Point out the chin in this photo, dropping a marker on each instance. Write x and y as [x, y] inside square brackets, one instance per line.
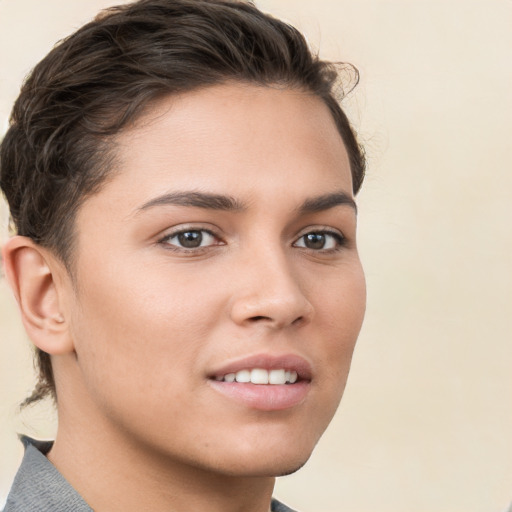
[265, 448]
[289, 468]
[276, 459]
[268, 468]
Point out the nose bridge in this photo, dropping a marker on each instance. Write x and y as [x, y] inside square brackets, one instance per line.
[269, 290]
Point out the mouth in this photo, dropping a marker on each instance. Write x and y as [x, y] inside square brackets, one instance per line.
[260, 376]
[264, 382]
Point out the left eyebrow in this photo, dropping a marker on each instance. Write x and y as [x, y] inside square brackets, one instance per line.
[326, 202]
[197, 200]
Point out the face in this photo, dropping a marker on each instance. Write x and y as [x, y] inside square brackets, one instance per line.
[220, 256]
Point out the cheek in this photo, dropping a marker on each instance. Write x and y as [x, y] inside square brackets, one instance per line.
[339, 317]
[340, 304]
[142, 334]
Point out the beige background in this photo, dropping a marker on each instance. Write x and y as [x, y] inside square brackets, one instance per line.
[426, 423]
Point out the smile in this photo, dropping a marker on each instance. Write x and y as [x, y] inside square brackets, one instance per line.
[264, 382]
[260, 376]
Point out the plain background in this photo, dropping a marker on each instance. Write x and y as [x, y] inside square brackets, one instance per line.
[426, 421]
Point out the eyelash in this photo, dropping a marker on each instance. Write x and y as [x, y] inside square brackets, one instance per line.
[339, 240]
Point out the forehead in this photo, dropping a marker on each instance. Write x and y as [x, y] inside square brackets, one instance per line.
[234, 138]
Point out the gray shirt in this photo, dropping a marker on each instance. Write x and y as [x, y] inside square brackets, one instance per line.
[38, 486]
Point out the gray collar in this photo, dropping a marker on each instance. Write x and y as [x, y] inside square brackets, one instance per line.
[39, 486]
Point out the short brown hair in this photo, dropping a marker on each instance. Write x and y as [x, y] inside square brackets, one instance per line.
[58, 148]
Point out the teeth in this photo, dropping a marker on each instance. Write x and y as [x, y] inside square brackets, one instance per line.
[277, 377]
[261, 376]
[243, 376]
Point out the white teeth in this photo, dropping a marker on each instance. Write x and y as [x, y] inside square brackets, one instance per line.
[277, 377]
[243, 376]
[261, 376]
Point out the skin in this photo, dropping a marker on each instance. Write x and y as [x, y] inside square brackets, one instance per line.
[138, 331]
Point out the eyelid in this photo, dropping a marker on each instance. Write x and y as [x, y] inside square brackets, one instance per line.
[321, 229]
[189, 226]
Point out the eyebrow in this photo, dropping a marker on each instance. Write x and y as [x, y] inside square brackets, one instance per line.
[196, 199]
[326, 202]
[228, 203]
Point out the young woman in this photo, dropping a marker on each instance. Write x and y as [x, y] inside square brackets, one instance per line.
[182, 180]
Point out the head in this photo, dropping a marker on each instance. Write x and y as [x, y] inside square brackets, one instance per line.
[182, 82]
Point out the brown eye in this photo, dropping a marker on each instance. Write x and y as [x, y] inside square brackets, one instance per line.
[320, 241]
[190, 239]
[314, 240]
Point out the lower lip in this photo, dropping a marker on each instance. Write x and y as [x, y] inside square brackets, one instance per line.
[264, 397]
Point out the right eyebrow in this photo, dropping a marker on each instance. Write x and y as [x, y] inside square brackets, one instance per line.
[327, 201]
[195, 199]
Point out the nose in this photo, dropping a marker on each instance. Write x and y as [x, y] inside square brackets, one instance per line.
[268, 292]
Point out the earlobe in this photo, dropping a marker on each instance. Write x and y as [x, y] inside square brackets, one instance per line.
[31, 273]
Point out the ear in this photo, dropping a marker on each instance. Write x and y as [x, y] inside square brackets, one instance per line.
[35, 277]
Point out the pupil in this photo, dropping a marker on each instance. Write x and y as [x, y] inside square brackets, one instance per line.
[315, 241]
[190, 239]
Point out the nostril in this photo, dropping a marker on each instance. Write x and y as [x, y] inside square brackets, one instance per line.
[298, 320]
[259, 318]
[256, 318]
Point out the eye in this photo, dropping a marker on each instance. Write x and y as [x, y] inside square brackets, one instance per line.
[321, 241]
[190, 239]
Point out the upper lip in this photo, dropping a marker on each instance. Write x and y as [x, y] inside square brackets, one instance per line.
[290, 362]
